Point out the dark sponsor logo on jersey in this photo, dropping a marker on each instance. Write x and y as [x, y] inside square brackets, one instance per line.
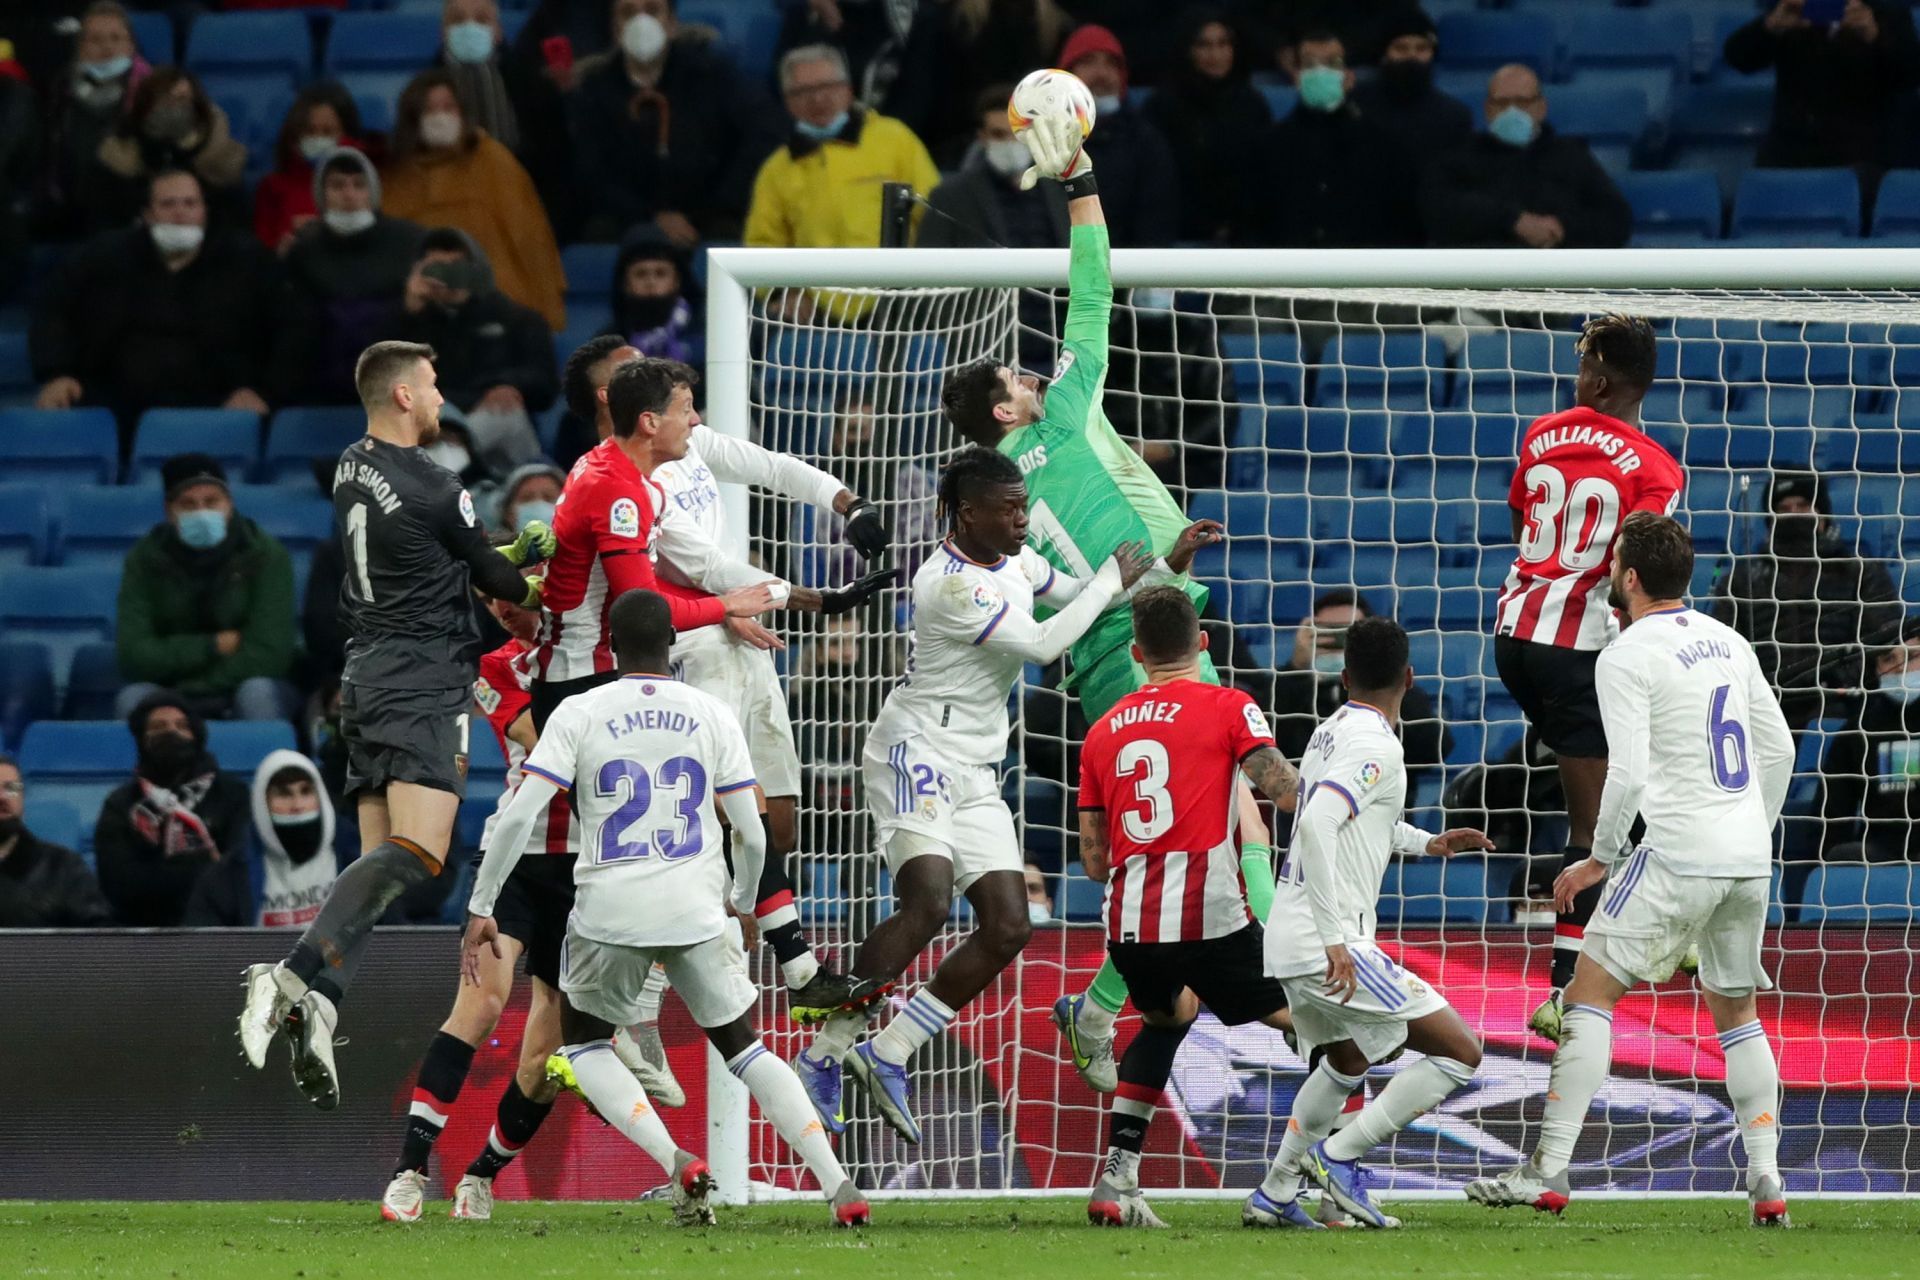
[370, 479]
[1032, 460]
[654, 719]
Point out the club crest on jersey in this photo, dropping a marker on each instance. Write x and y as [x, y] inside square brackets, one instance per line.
[929, 810]
[466, 508]
[623, 520]
[485, 696]
[1368, 775]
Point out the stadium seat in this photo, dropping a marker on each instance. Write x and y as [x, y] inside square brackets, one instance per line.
[1366, 368]
[1631, 49]
[76, 763]
[589, 270]
[230, 435]
[1266, 367]
[98, 523]
[1718, 128]
[376, 87]
[153, 36]
[26, 526]
[1611, 118]
[298, 435]
[1513, 371]
[1882, 894]
[57, 822]
[748, 32]
[300, 519]
[240, 745]
[26, 689]
[64, 446]
[1281, 99]
[93, 682]
[1482, 41]
[1674, 209]
[1896, 208]
[61, 608]
[251, 43]
[382, 42]
[1788, 207]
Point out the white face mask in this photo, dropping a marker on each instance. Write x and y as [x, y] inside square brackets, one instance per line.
[315, 145]
[454, 457]
[348, 222]
[1006, 156]
[440, 128]
[643, 38]
[1037, 913]
[171, 237]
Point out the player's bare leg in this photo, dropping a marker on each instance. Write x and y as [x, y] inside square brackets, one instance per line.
[523, 1107]
[1143, 1074]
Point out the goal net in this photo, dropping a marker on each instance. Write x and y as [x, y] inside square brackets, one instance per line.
[1358, 442]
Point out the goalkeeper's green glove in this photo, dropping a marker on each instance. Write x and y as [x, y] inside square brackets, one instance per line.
[535, 543]
[1058, 149]
[536, 590]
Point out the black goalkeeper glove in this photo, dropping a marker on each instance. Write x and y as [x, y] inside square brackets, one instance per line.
[858, 593]
[866, 530]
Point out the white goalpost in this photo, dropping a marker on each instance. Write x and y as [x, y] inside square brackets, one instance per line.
[1352, 417]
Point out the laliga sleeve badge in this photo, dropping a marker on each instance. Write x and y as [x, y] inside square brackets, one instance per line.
[1256, 723]
[1368, 775]
[985, 598]
[466, 509]
[485, 696]
[623, 519]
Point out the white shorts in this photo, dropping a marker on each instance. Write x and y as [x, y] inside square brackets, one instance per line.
[1376, 1019]
[744, 678]
[1648, 917]
[955, 810]
[603, 979]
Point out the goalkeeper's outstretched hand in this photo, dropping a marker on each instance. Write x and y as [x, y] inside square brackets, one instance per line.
[858, 592]
[866, 530]
[1057, 147]
[535, 543]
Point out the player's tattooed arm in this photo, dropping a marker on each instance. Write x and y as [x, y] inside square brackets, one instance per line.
[1093, 844]
[1275, 778]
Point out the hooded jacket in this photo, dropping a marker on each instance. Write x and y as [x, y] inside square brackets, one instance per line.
[490, 341]
[292, 192]
[271, 887]
[678, 335]
[173, 599]
[344, 287]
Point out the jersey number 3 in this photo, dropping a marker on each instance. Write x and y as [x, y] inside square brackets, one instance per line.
[1145, 762]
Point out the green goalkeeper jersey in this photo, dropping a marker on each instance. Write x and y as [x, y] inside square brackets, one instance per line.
[1087, 491]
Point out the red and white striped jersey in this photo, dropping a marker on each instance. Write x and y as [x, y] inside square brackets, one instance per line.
[502, 696]
[604, 525]
[1580, 475]
[1163, 765]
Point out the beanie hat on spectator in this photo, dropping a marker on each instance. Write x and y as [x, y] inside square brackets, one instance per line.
[1799, 484]
[454, 240]
[137, 721]
[184, 469]
[1093, 38]
[523, 473]
[1408, 21]
[344, 155]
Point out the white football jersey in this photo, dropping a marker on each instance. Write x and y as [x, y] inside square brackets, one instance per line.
[645, 756]
[972, 627]
[1356, 755]
[1696, 744]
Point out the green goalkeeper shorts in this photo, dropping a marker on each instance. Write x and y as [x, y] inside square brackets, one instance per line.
[1115, 676]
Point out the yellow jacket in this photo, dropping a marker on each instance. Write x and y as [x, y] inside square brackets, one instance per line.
[483, 191]
[829, 196]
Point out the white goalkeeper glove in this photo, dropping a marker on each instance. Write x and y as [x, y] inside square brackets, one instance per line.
[1057, 147]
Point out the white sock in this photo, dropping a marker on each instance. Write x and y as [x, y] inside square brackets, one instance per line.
[1753, 1082]
[783, 1100]
[1315, 1109]
[620, 1100]
[835, 1038]
[1579, 1069]
[651, 992]
[799, 971]
[1094, 1022]
[1408, 1096]
[1122, 1168]
[920, 1020]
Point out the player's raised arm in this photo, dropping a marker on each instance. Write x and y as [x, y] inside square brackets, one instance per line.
[688, 548]
[736, 461]
[1055, 142]
[495, 570]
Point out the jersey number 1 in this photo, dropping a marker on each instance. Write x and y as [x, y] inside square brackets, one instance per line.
[357, 540]
[1147, 759]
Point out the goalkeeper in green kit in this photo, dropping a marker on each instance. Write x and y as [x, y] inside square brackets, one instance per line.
[1088, 493]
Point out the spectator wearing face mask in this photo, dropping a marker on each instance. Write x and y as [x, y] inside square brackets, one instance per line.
[177, 818]
[512, 100]
[657, 306]
[42, 885]
[1139, 186]
[665, 130]
[206, 603]
[170, 123]
[322, 119]
[1870, 781]
[1401, 98]
[1207, 110]
[83, 106]
[530, 493]
[493, 357]
[982, 206]
[289, 864]
[1808, 602]
[1328, 175]
[347, 271]
[448, 172]
[1039, 901]
[1520, 184]
[165, 313]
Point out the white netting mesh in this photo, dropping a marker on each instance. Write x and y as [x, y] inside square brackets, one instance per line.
[1366, 441]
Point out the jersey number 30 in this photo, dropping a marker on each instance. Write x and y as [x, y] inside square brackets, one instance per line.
[1145, 761]
[1577, 523]
[631, 776]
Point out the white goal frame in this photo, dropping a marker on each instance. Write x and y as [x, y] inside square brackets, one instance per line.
[733, 274]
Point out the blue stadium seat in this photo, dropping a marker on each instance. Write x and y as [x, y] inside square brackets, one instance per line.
[1873, 894]
[1717, 22]
[61, 608]
[26, 526]
[381, 87]
[1265, 366]
[1635, 49]
[57, 822]
[64, 446]
[1896, 207]
[16, 366]
[98, 523]
[1445, 891]
[251, 43]
[1514, 372]
[231, 435]
[1797, 206]
[153, 36]
[76, 763]
[300, 518]
[748, 32]
[589, 269]
[298, 435]
[1718, 128]
[383, 42]
[1364, 368]
[1084, 899]
[93, 682]
[240, 745]
[1674, 209]
[1611, 118]
[1281, 99]
[26, 689]
[256, 104]
[1486, 40]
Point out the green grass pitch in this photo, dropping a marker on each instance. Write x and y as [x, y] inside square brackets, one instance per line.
[976, 1239]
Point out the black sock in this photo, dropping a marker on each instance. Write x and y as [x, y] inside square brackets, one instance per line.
[442, 1072]
[356, 901]
[1570, 927]
[787, 941]
[514, 1124]
[1144, 1070]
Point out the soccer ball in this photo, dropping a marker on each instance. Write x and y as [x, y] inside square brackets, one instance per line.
[1050, 92]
